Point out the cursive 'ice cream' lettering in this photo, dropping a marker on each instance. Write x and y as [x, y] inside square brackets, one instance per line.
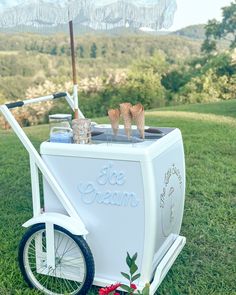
[110, 176]
[91, 192]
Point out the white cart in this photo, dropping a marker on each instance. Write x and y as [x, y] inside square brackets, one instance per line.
[100, 201]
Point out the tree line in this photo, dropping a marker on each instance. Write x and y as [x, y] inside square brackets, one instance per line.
[153, 70]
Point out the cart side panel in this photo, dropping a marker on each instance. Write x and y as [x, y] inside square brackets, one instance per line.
[169, 169]
[109, 197]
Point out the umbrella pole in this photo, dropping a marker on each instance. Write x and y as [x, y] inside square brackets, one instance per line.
[75, 91]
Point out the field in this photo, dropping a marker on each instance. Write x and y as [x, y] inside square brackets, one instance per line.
[207, 264]
[222, 108]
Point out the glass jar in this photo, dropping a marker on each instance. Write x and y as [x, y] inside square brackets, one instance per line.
[60, 120]
[60, 128]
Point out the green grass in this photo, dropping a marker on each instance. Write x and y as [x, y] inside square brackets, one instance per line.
[207, 264]
[223, 108]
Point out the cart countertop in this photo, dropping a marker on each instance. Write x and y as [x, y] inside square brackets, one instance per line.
[104, 146]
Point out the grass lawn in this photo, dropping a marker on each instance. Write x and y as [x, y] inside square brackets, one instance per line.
[207, 264]
[223, 108]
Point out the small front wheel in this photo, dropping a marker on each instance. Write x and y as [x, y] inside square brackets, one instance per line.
[74, 264]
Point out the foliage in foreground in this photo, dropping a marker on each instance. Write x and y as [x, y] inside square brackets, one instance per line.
[132, 276]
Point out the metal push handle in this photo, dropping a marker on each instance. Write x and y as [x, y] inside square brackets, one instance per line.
[67, 96]
[35, 158]
[35, 100]
[59, 95]
[13, 105]
[38, 163]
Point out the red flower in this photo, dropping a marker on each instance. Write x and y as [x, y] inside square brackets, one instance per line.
[133, 286]
[109, 289]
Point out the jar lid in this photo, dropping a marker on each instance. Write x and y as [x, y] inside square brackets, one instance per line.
[65, 117]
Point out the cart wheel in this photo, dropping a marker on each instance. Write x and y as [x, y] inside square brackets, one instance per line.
[74, 264]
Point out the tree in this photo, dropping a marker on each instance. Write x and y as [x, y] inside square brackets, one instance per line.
[54, 50]
[93, 52]
[145, 87]
[226, 29]
[104, 50]
[81, 51]
[175, 79]
[157, 63]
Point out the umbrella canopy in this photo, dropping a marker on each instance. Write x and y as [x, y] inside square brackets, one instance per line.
[97, 14]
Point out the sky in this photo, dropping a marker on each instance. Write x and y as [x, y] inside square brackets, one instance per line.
[192, 12]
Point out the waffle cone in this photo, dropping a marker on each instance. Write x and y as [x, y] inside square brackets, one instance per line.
[127, 117]
[114, 116]
[138, 116]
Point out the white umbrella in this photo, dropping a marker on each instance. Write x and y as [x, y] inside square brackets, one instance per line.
[97, 14]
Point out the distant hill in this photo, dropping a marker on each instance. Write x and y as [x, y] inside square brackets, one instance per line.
[197, 33]
[78, 30]
[192, 32]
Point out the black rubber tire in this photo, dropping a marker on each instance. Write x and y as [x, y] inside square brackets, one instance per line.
[79, 240]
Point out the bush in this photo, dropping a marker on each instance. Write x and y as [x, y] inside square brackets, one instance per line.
[207, 88]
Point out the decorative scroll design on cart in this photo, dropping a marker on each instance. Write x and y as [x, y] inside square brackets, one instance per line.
[95, 191]
[173, 183]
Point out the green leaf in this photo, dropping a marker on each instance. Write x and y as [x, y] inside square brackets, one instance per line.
[134, 257]
[129, 255]
[125, 275]
[146, 290]
[133, 268]
[135, 277]
[126, 288]
[128, 260]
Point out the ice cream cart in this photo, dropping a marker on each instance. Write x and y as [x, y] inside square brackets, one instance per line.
[100, 201]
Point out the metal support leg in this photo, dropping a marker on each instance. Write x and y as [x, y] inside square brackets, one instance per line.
[50, 247]
[35, 187]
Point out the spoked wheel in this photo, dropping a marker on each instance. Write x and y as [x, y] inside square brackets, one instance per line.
[74, 265]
